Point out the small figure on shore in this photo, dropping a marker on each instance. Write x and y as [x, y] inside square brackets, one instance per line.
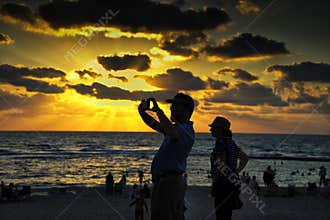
[185, 179]
[269, 176]
[25, 192]
[9, 192]
[254, 184]
[2, 188]
[323, 174]
[123, 180]
[141, 176]
[291, 190]
[135, 192]
[146, 191]
[119, 187]
[140, 204]
[243, 177]
[109, 183]
[248, 178]
[311, 187]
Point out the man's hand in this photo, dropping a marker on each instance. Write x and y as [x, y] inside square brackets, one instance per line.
[150, 121]
[143, 105]
[155, 107]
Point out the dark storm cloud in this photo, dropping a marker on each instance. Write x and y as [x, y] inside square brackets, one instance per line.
[84, 73]
[246, 45]
[139, 62]
[19, 12]
[181, 44]
[101, 91]
[140, 15]
[245, 94]
[5, 39]
[178, 79]
[134, 15]
[303, 72]
[238, 74]
[18, 76]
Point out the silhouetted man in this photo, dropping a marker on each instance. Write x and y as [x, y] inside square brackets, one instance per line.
[109, 183]
[169, 163]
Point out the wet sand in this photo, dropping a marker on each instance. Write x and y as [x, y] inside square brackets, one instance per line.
[93, 203]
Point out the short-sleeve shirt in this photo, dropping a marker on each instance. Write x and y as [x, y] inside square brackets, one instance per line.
[172, 154]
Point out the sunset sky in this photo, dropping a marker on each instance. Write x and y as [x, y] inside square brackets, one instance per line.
[84, 65]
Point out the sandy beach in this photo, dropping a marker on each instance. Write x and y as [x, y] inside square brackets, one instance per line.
[93, 203]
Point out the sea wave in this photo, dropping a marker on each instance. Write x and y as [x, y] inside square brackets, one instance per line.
[7, 152]
[90, 152]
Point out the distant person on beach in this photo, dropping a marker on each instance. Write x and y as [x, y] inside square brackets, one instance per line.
[2, 189]
[253, 184]
[141, 176]
[135, 192]
[243, 177]
[9, 192]
[123, 180]
[323, 174]
[140, 204]
[146, 191]
[269, 176]
[248, 178]
[224, 164]
[311, 187]
[169, 163]
[109, 182]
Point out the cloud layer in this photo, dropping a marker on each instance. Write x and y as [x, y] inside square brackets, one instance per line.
[303, 72]
[101, 91]
[245, 94]
[90, 73]
[139, 62]
[178, 79]
[5, 39]
[134, 16]
[182, 44]
[246, 45]
[238, 74]
[19, 76]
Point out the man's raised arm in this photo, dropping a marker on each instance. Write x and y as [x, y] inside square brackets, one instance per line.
[150, 121]
[165, 123]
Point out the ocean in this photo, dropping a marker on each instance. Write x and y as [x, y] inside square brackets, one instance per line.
[48, 159]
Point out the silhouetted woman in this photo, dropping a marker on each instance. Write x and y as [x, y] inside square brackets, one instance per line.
[224, 169]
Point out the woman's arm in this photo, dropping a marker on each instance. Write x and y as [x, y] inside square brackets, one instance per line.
[243, 160]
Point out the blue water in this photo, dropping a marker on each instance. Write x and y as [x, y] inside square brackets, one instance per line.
[84, 158]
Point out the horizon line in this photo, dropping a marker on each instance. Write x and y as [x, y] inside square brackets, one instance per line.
[200, 132]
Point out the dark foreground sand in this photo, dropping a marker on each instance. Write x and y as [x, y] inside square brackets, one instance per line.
[93, 203]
